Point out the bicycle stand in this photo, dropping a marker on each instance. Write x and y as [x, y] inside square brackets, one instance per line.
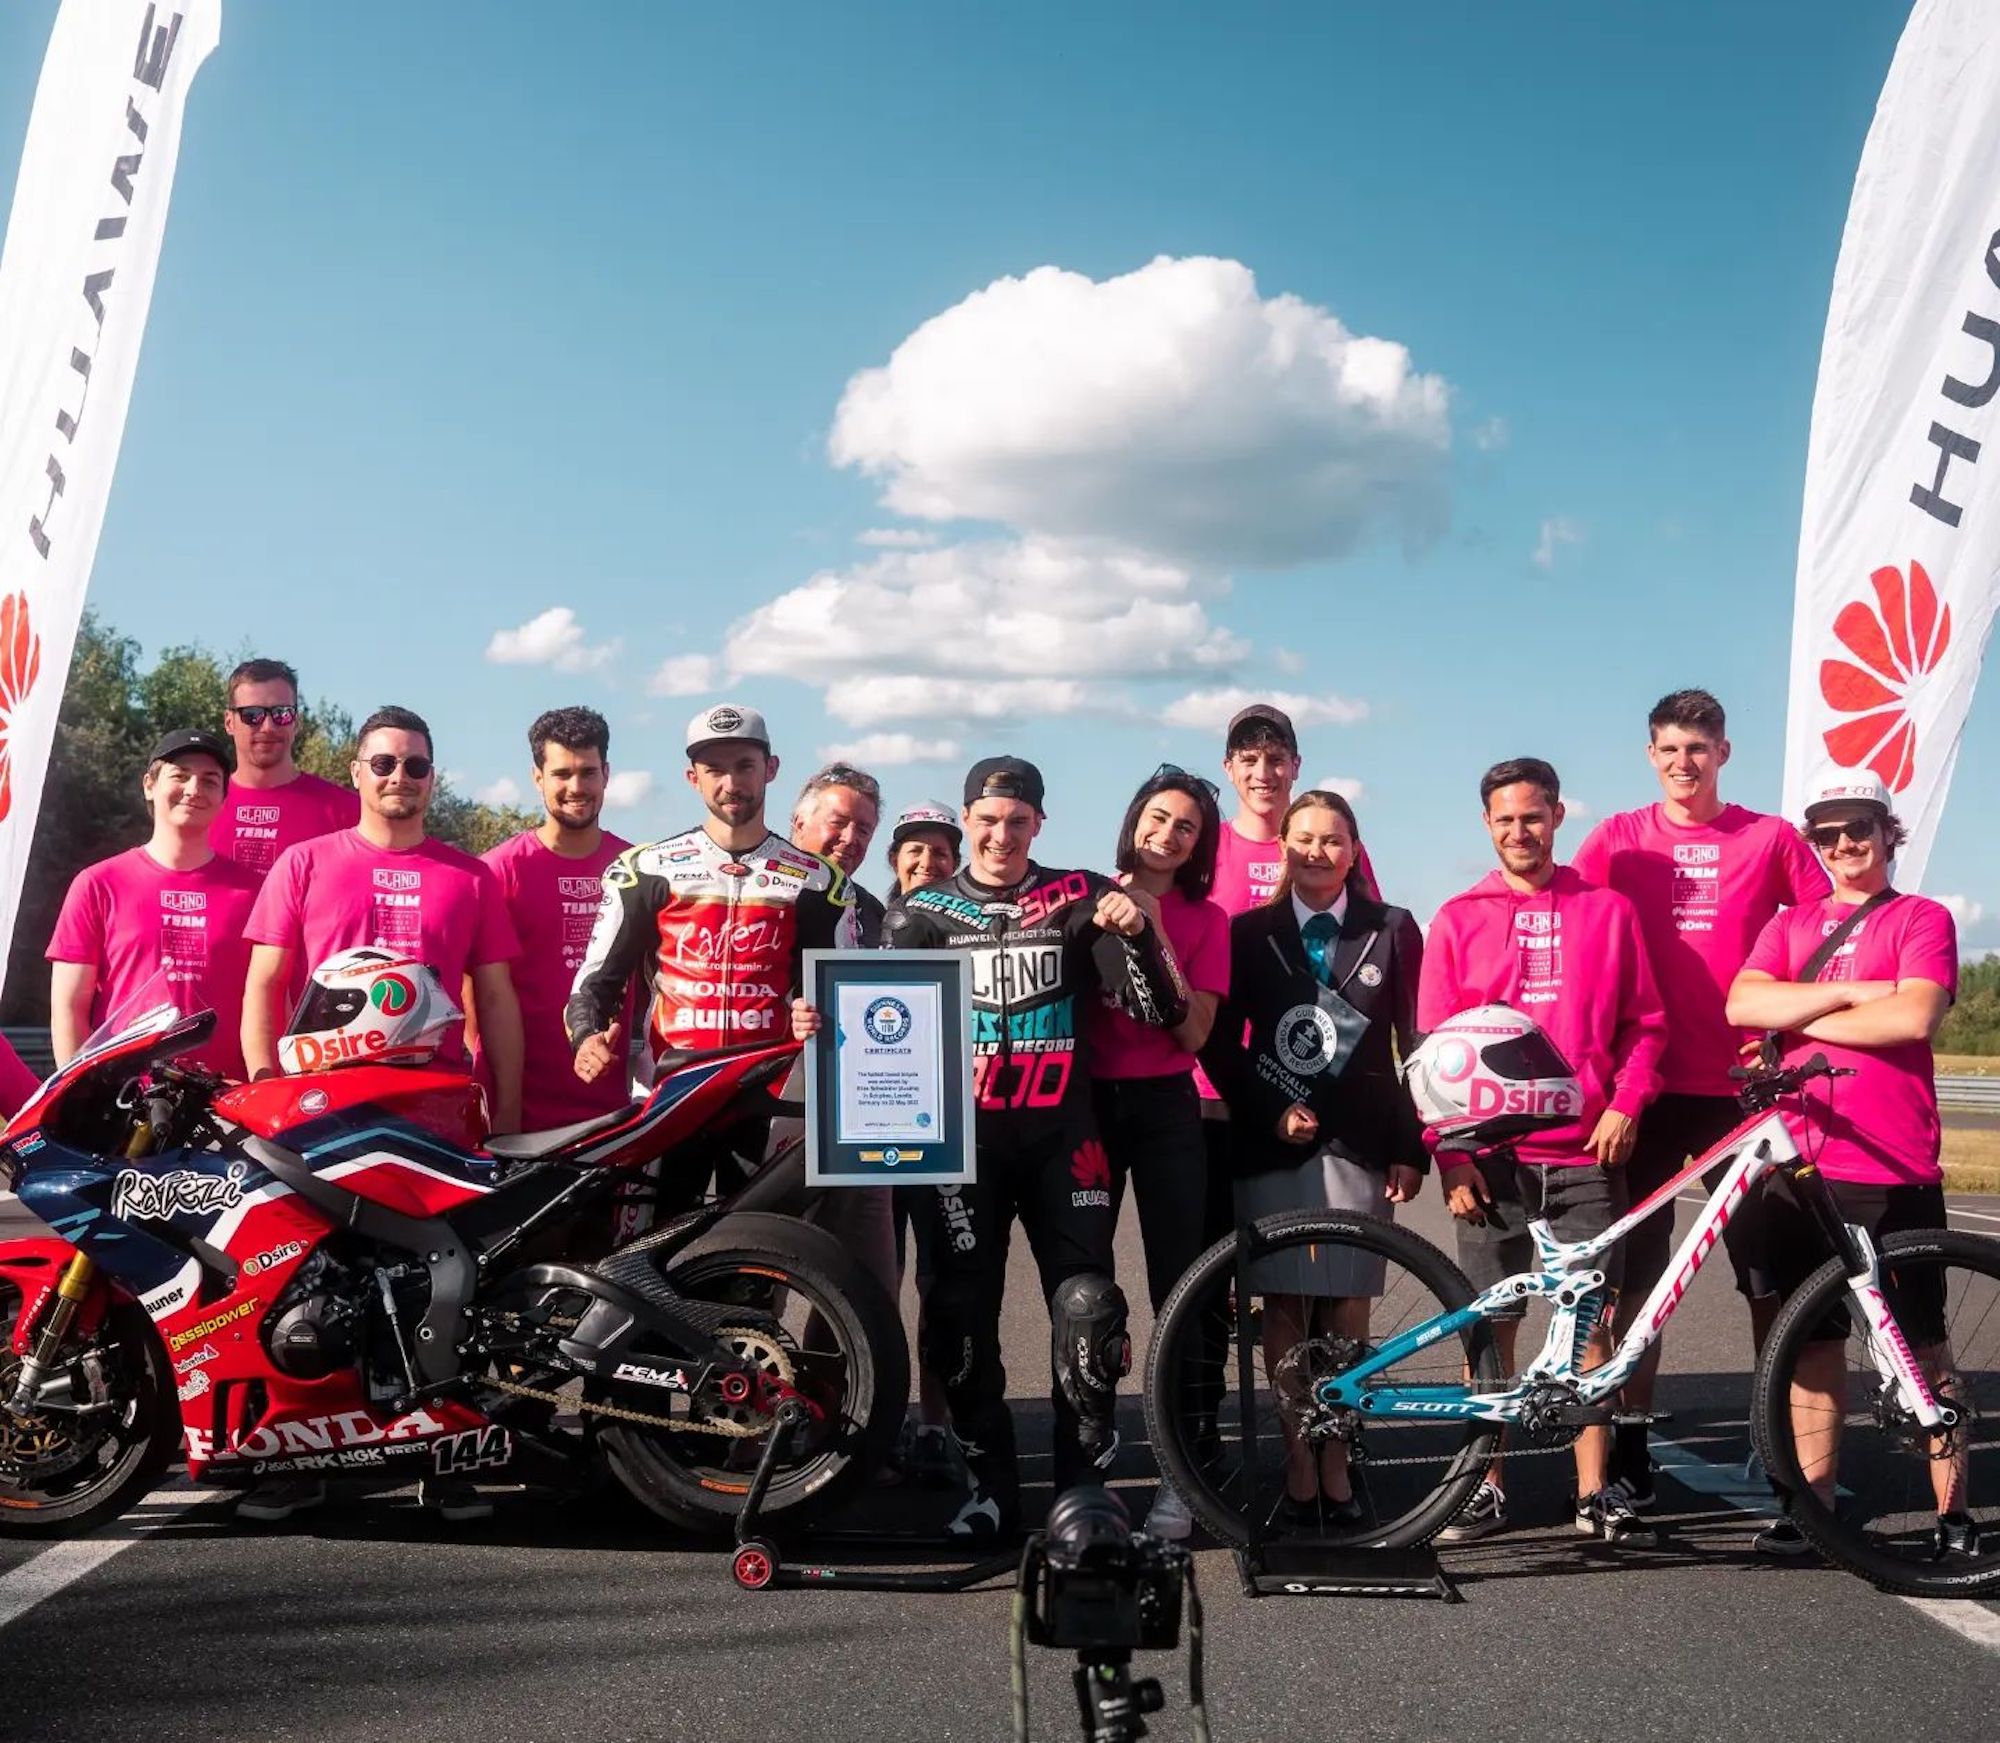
[757, 1565]
[1309, 1567]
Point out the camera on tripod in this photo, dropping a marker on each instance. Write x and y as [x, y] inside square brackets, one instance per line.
[1090, 1585]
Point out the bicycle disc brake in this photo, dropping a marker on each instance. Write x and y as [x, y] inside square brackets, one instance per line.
[1298, 1371]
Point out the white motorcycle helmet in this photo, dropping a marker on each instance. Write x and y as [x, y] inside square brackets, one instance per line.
[1488, 1074]
[368, 1006]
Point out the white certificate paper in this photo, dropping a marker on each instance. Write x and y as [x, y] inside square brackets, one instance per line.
[890, 1064]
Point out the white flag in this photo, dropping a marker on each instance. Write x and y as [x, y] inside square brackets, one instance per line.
[1899, 547]
[76, 279]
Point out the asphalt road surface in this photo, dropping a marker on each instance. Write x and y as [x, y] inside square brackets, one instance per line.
[563, 1622]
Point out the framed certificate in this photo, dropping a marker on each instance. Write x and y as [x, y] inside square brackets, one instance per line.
[889, 1075]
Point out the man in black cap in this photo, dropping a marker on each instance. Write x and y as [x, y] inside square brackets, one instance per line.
[1042, 942]
[163, 921]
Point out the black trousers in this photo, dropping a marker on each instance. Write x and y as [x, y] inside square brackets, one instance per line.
[1152, 1131]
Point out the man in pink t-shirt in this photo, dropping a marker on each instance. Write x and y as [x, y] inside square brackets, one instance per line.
[1569, 954]
[1872, 1009]
[272, 803]
[1705, 877]
[161, 921]
[551, 878]
[385, 882]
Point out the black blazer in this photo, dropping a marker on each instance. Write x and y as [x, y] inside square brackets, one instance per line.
[1365, 1113]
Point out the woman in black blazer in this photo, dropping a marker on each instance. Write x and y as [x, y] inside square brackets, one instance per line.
[1322, 1001]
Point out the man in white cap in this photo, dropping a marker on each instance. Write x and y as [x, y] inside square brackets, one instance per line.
[1865, 977]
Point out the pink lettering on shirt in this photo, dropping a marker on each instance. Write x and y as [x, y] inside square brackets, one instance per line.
[136, 923]
[1879, 1127]
[1118, 1045]
[1704, 892]
[552, 901]
[256, 824]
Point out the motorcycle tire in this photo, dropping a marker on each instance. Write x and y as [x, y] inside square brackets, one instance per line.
[41, 1495]
[841, 1336]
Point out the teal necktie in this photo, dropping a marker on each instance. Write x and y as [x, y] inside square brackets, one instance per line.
[1320, 932]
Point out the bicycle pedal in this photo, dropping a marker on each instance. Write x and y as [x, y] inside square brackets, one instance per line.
[1640, 1418]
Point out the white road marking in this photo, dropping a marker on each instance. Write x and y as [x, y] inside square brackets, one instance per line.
[64, 1563]
[1978, 1216]
[1967, 1617]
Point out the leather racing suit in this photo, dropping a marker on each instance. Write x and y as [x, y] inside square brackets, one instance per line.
[1037, 957]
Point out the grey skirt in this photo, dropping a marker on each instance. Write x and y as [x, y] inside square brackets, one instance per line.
[1323, 1181]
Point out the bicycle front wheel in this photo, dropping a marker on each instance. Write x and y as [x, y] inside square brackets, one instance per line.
[1822, 1411]
[1326, 1291]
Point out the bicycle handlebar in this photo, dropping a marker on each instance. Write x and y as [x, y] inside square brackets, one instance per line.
[1761, 1086]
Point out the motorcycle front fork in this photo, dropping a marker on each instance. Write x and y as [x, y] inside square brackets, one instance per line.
[72, 1289]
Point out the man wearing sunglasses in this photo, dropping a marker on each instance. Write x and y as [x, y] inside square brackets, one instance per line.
[385, 882]
[1871, 1006]
[272, 803]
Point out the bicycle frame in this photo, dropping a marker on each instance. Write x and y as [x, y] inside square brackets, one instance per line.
[1573, 1286]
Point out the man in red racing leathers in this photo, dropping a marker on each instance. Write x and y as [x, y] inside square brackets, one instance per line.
[1042, 943]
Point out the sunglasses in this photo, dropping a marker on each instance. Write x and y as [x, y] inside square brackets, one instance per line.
[1174, 770]
[1856, 829]
[282, 715]
[382, 765]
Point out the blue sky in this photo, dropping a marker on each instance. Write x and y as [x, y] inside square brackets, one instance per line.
[469, 315]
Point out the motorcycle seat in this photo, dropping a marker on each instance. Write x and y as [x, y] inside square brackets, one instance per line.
[531, 1146]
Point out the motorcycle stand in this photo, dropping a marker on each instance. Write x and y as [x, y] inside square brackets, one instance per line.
[756, 1564]
[1308, 1567]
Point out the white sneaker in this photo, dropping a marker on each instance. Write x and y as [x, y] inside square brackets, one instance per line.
[1169, 1518]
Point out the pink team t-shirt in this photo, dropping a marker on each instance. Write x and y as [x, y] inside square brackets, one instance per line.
[432, 902]
[1879, 1127]
[256, 824]
[1704, 892]
[552, 901]
[132, 920]
[1121, 1047]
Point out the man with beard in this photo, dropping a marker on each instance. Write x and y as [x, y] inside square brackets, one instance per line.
[272, 803]
[552, 879]
[837, 814]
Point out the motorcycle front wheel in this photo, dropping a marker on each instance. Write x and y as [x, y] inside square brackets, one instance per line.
[65, 1472]
[812, 1319]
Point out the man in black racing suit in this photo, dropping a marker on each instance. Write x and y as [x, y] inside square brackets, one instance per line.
[1042, 944]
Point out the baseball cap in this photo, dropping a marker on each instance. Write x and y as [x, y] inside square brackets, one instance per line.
[1004, 778]
[928, 815]
[1261, 713]
[1833, 787]
[727, 721]
[191, 740]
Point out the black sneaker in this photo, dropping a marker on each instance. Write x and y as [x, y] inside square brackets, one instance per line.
[1321, 1513]
[1782, 1538]
[1480, 1517]
[982, 1519]
[1608, 1516]
[1956, 1535]
[273, 1503]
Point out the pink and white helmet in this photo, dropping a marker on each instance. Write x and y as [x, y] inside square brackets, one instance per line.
[368, 1006]
[1489, 1073]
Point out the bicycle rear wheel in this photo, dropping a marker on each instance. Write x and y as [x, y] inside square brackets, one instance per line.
[1810, 1409]
[1409, 1478]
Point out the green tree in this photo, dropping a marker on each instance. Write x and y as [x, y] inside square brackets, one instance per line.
[1974, 1023]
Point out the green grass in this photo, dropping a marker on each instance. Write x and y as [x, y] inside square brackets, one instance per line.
[1971, 1160]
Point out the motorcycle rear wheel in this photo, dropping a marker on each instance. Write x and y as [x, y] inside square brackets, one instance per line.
[63, 1474]
[840, 1336]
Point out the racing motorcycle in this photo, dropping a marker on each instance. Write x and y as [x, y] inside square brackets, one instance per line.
[331, 1275]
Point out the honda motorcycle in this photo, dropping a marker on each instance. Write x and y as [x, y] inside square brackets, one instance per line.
[332, 1275]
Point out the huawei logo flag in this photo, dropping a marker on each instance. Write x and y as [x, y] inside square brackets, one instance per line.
[1894, 641]
[20, 665]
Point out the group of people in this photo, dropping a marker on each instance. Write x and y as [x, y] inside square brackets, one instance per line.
[1141, 1027]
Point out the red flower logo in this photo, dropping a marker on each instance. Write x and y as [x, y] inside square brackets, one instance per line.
[1896, 640]
[20, 665]
[1090, 1167]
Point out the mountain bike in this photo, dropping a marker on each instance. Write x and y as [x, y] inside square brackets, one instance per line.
[1418, 1402]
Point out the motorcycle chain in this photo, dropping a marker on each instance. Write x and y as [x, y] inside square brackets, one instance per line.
[652, 1419]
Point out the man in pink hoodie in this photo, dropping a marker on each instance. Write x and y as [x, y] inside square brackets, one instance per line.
[1568, 954]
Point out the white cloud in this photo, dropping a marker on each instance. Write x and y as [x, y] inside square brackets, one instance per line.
[554, 638]
[1289, 661]
[882, 750]
[1022, 608]
[1172, 410]
[1558, 530]
[1345, 785]
[1575, 810]
[1209, 710]
[627, 788]
[899, 538]
[505, 791]
[1964, 911]
[1490, 435]
[874, 701]
[684, 675]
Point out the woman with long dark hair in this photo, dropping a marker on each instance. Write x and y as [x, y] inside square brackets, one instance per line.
[1323, 977]
[1148, 1112]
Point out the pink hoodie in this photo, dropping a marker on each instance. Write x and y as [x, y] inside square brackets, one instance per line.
[1571, 957]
